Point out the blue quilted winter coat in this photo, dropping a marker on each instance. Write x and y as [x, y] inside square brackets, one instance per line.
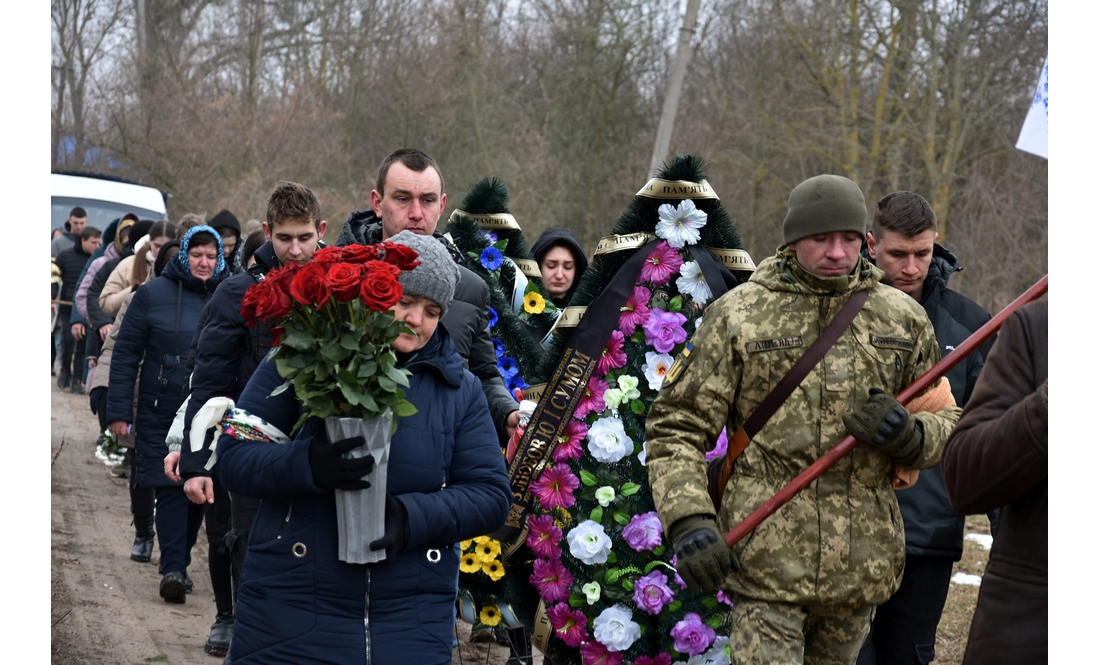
[297, 602]
[149, 333]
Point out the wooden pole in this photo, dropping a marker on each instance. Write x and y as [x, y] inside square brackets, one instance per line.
[802, 480]
[675, 85]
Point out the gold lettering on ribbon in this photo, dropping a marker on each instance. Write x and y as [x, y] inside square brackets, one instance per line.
[570, 317]
[677, 189]
[534, 393]
[499, 220]
[734, 259]
[540, 635]
[619, 243]
[528, 267]
[539, 440]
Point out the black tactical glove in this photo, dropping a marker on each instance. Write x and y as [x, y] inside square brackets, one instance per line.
[885, 424]
[702, 557]
[394, 539]
[331, 469]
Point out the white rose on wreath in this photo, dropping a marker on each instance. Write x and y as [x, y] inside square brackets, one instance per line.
[608, 441]
[615, 629]
[589, 543]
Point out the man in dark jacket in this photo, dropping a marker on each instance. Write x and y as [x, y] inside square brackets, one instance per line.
[902, 242]
[409, 195]
[224, 354]
[71, 262]
[78, 218]
[997, 456]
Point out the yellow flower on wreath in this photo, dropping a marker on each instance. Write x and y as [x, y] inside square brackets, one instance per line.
[493, 568]
[465, 545]
[534, 303]
[482, 539]
[470, 562]
[490, 615]
[488, 550]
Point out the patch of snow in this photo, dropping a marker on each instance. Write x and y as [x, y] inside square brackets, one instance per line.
[986, 541]
[963, 578]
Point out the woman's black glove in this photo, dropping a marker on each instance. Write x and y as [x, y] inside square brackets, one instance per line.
[97, 399]
[394, 539]
[331, 469]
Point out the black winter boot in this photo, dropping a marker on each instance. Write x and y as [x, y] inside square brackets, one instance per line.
[144, 535]
[222, 630]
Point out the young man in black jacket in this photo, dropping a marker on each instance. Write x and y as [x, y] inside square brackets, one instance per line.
[902, 242]
[408, 195]
[225, 354]
[71, 263]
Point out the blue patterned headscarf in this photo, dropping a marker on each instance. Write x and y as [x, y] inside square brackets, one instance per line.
[185, 244]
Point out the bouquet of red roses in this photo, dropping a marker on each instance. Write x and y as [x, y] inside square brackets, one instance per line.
[334, 329]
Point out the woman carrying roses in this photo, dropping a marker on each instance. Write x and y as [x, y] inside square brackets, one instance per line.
[446, 482]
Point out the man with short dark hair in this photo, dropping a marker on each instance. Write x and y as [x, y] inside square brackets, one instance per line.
[78, 218]
[902, 242]
[224, 354]
[71, 263]
[408, 195]
[804, 584]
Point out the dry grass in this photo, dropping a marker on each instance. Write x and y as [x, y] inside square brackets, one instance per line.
[962, 598]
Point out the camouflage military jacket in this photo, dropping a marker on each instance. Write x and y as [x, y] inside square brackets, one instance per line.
[839, 541]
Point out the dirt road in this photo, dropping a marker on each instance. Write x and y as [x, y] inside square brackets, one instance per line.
[106, 608]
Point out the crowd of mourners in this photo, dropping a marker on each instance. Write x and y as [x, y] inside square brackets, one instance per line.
[149, 327]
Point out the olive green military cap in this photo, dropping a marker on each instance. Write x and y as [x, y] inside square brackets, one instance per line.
[824, 204]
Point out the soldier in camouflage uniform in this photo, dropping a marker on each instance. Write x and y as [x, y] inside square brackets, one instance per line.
[805, 581]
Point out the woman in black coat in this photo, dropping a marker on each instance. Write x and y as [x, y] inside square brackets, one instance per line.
[154, 337]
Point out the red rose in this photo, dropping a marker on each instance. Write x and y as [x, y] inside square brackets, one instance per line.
[343, 280]
[309, 285]
[277, 333]
[380, 289]
[329, 255]
[360, 253]
[402, 256]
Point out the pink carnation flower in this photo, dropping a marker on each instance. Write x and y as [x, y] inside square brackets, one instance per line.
[569, 444]
[613, 356]
[543, 537]
[643, 533]
[661, 264]
[636, 310]
[593, 398]
[594, 653]
[554, 487]
[568, 624]
[552, 580]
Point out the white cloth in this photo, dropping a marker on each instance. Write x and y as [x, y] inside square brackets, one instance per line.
[218, 412]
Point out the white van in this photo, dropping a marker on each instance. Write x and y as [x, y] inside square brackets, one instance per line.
[104, 198]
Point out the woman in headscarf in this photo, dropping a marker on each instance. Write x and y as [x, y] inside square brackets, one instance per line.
[155, 337]
[561, 262]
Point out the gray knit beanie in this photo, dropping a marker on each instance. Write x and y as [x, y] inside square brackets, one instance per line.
[823, 204]
[436, 276]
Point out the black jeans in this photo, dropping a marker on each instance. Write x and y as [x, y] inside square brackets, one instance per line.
[68, 344]
[217, 516]
[903, 631]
